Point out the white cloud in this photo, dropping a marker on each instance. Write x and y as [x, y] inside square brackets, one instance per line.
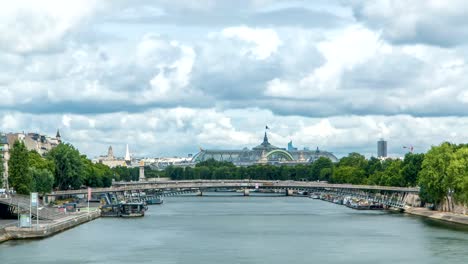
[263, 42]
[29, 26]
[166, 88]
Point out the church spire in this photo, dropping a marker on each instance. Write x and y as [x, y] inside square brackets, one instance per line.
[58, 137]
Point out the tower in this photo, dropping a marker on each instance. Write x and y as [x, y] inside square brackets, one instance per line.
[110, 153]
[381, 148]
[141, 176]
[58, 137]
[127, 155]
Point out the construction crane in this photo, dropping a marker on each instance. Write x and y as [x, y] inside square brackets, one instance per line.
[411, 148]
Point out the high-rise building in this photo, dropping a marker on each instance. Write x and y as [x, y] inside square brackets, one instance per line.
[381, 148]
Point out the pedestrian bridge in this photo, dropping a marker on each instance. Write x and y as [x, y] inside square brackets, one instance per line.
[12, 205]
[233, 184]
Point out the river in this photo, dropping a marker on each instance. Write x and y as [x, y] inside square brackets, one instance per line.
[249, 230]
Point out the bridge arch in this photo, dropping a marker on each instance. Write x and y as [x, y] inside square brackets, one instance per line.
[282, 153]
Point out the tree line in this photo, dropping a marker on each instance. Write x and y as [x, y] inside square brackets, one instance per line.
[354, 169]
[440, 173]
[62, 168]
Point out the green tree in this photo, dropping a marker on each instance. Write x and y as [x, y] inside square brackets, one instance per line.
[349, 174]
[354, 160]
[373, 165]
[317, 167]
[68, 166]
[434, 178]
[35, 160]
[411, 167]
[392, 174]
[43, 180]
[19, 176]
[326, 174]
[458, 168]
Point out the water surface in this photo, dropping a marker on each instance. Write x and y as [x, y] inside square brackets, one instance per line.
[249, 230]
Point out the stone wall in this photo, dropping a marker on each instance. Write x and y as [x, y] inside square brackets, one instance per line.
[413, 200]
[50, 229]
[451, 205]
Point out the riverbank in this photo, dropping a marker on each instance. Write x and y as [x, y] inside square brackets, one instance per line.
[438, 215]
[47, 228]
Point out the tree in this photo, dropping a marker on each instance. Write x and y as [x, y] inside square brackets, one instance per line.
[326, 174]
[459, 169]
[317, 167]
[354, 160]
[43, 180]
[349, 174]
[392, 174]
[19, 176]
[373, 165]
[411, 167]
[35, 160]
[434, 178]
[68, 166]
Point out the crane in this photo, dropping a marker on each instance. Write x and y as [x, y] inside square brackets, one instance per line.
[410, 147]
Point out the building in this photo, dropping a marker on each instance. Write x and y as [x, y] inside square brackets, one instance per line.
[5, 154]
[111, 161]
[381, 148]
[291, 147]
[265, 153]
[34, 141]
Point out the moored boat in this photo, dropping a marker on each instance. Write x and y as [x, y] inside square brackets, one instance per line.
[136, 209]
[155, 200]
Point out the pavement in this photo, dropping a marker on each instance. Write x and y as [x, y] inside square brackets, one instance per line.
[444, 216]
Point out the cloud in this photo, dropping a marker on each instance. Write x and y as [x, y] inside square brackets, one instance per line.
[169, 76]
[31, 26]
[264, 42]
[435, 22]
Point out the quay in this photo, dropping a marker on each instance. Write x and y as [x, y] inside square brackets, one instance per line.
[46, 228]
[438, 215]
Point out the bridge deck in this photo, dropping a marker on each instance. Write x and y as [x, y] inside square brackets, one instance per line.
[134, 186]
[23, 202]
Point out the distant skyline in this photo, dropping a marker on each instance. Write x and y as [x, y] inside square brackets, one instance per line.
[168, 77]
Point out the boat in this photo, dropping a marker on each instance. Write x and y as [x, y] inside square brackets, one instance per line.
[155, 200]
[136, 209]
[315, 196]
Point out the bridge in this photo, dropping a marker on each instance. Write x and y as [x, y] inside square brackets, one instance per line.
[387, 195]
[232, 184]
[14, 204]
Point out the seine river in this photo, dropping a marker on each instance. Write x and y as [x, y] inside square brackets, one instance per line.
[249, 230]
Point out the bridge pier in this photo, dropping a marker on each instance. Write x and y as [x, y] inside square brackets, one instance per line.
[246, 192]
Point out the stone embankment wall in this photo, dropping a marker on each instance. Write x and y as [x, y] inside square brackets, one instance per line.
[50, 229]
[3, 235]
[451, 205]
[412, 200]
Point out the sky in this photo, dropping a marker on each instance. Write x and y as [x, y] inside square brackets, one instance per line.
[169, 77]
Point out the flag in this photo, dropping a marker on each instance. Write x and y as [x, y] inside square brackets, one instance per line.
[89, 193]
[266, 127]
